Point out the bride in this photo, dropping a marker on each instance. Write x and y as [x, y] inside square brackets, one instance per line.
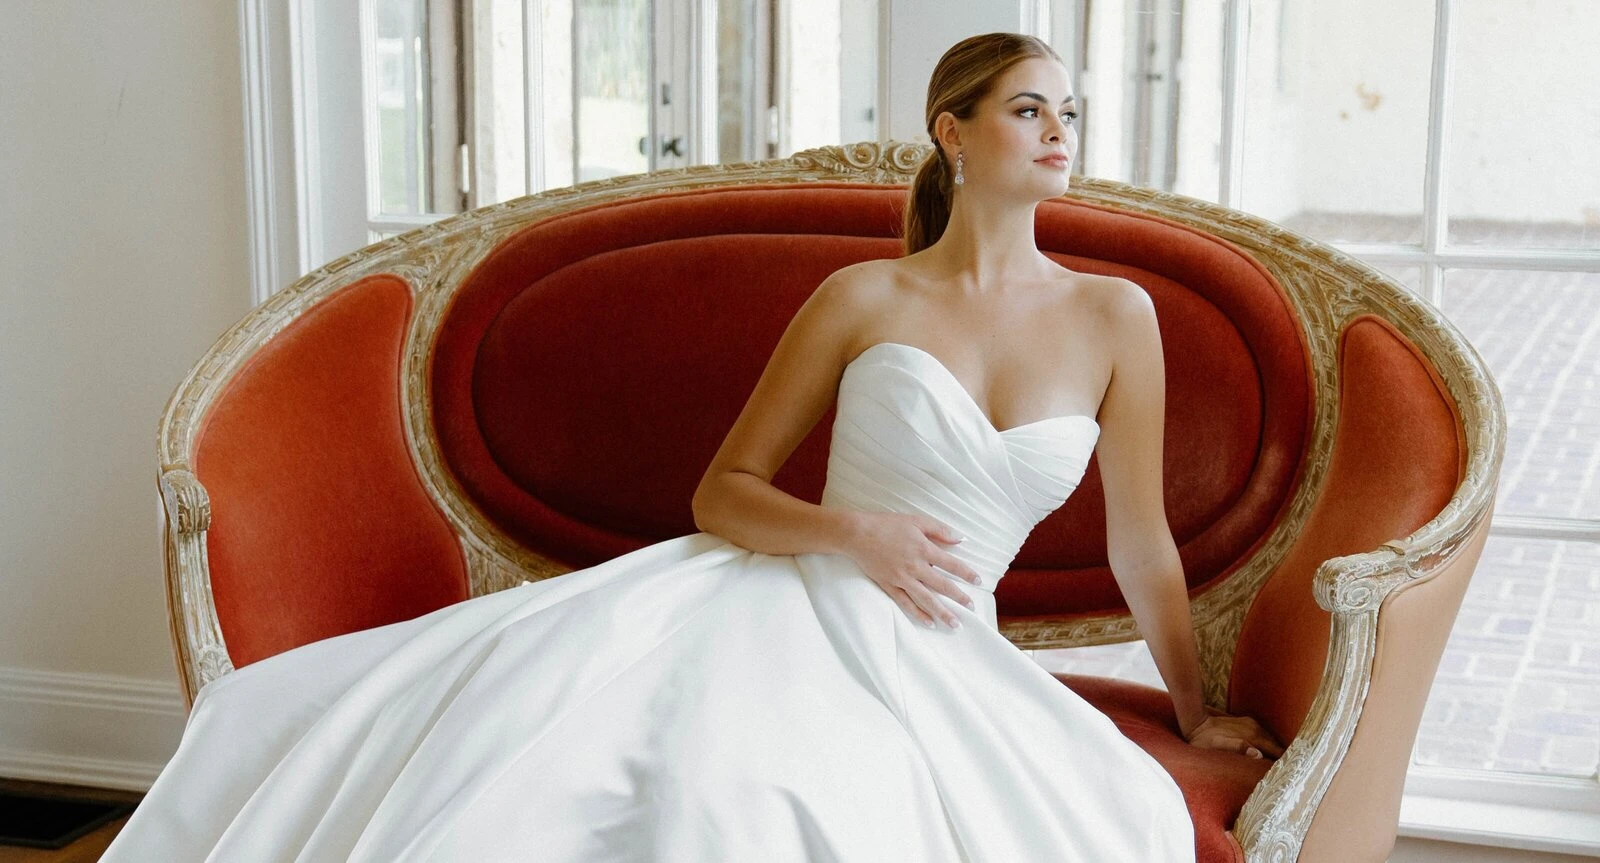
[796, 681]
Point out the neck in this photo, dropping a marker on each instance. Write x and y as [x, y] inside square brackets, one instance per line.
[987, 244]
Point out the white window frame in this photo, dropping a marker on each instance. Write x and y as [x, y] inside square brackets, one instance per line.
[1481, 807]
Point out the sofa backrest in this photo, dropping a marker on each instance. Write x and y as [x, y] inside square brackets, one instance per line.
[319, 523]
[585, 371]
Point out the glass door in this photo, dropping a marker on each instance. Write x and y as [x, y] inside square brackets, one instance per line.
[411, 110]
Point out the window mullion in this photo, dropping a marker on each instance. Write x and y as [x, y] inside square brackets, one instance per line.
[1435, 224]
[1235, 43]
[533, 97]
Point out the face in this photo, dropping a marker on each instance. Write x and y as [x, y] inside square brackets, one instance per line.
[1026, 116]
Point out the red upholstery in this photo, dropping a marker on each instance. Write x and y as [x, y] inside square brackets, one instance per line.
[319, 522]
[1397, 459]
[587, 369]
[578, 398]
[1215, 784]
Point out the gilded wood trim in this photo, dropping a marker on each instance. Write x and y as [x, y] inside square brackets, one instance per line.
[1325, 288]
[192, 614]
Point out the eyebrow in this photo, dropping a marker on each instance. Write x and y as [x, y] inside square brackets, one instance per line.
[1036, 96]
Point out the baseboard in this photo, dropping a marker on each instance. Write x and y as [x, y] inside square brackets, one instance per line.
[99, 730]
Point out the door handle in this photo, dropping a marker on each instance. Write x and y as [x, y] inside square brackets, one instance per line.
[671, 147]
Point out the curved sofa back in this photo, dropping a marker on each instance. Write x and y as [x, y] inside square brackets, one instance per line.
[585, 370]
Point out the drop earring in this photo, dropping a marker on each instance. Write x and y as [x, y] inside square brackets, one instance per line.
[960, 178]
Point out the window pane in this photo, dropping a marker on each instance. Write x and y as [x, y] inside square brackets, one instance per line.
[814, 77]
[738, 49]
[499, 134]
[1518, 688]
[1540, 334]
[1336, 117]
[1524, 169]
[613, 70]
[1410, 277]
[1148, 76]
[400, 80]
[832, 81]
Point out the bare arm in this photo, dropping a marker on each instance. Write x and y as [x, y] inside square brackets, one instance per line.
[1144, 558]
[735, 498]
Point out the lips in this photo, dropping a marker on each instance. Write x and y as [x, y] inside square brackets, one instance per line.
[1055, 161]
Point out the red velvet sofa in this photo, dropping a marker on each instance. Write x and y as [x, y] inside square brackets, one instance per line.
[529, 388]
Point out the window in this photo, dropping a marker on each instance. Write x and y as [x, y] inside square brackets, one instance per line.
[457, 90]
[1451, 145]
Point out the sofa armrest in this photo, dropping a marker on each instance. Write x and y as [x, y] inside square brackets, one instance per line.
[304, 423]
[191, 614]
[1343, 775]
[1339, 649]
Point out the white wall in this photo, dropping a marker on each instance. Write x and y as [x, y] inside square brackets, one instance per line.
[122, 258]
[1344, 127]
[918, 35]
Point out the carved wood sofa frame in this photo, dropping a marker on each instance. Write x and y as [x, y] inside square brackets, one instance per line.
[1358, 722]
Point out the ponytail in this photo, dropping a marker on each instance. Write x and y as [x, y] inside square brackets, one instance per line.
[928, 203]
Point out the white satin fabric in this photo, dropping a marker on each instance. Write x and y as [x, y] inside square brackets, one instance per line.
[696, 701]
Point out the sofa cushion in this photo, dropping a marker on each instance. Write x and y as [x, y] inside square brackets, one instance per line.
[588, 368]
[1215, 783]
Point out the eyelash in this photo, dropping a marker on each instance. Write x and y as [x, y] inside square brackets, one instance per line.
[1070, 115]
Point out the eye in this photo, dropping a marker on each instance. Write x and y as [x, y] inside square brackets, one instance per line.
[1069, 115]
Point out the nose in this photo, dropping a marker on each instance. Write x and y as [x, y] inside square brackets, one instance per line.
[1058, 129]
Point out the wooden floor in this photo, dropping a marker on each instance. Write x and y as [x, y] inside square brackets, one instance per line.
[87, 849]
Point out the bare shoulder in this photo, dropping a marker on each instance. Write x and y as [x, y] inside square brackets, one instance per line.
[851, 296]
[1124, 308]
[866, 278]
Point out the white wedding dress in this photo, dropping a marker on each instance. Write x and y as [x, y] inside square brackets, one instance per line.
[697, 701]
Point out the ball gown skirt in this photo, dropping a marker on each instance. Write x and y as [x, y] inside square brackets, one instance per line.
[697, 701]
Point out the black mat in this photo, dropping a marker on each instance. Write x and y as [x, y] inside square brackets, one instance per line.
[52, 822]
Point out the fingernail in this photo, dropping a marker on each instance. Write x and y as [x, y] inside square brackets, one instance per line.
[1255, 753]
[928, 624]
[955, 624]
[978, 580]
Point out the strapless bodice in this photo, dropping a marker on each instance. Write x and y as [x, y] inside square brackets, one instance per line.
[908, 437]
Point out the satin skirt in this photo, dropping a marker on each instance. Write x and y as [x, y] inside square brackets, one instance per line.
[689, 701]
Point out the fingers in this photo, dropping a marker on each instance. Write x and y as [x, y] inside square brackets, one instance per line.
[1239, 745]
[941, 583]
[1261, 738]
[939, 531]
[1250, 747]
[950, 563]
[903, 599]
[1259, 748]
[929, 603]
[1266, 744]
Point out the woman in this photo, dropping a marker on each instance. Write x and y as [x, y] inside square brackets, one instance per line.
[797, 681]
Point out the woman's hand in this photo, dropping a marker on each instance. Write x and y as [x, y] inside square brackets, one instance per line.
[1240, 734]
[899, 551]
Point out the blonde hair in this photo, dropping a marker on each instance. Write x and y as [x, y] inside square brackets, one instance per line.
[963, 76]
